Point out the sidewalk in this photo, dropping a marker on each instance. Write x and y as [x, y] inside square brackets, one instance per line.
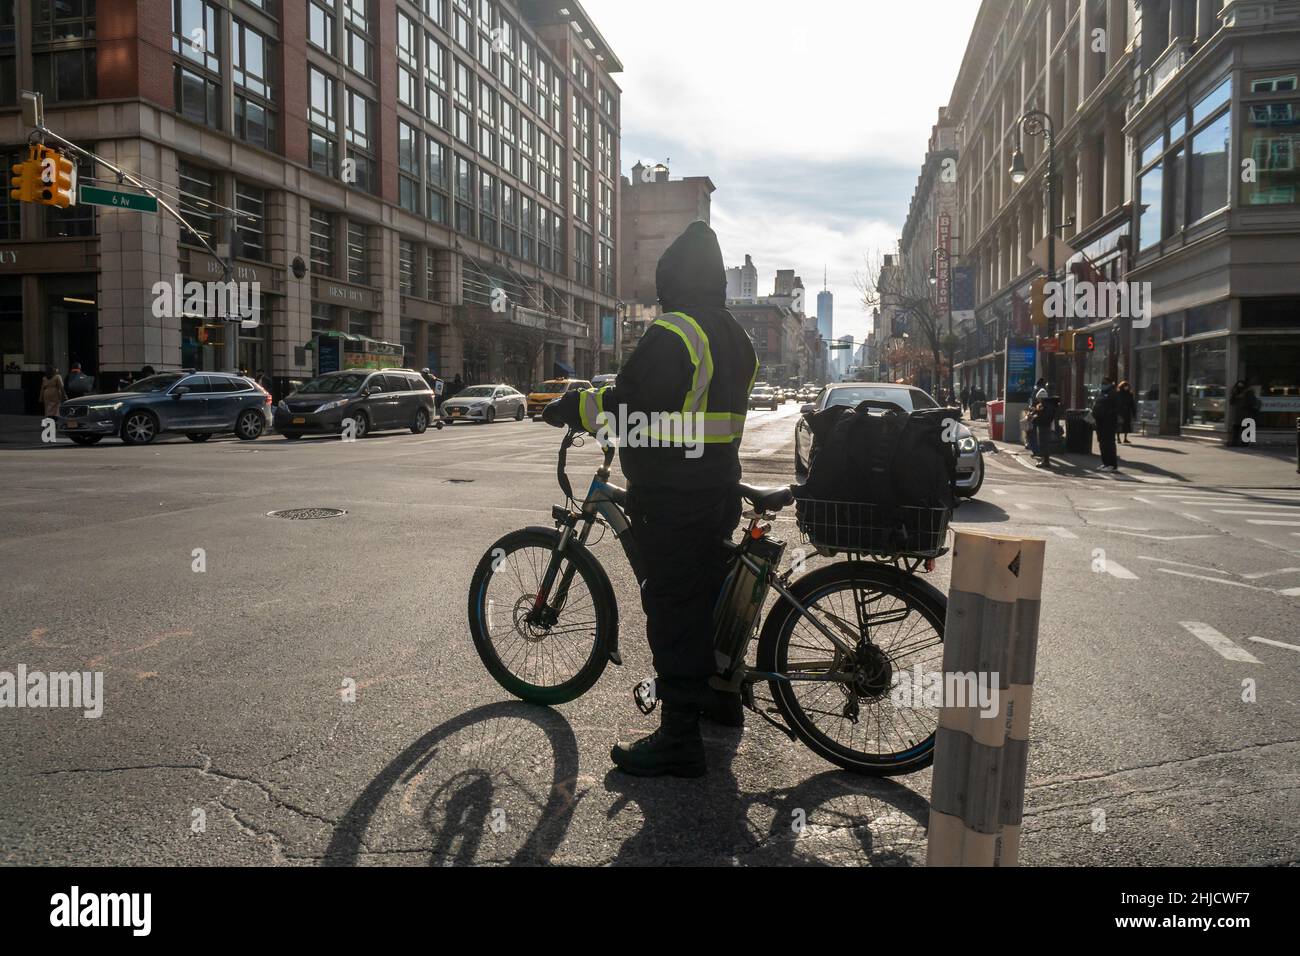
[1171, 461]
[20, 429]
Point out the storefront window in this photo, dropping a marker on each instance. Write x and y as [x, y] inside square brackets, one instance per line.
[1150, 206]
[1206, 318]
[1271, 365]
[1146, 384]
[322, 317]
[1206, 392]
[1209, 169]
[1271, 138]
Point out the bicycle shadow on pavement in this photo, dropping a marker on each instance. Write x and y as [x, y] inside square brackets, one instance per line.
[976, 511]
[494, 785]
[833, 818]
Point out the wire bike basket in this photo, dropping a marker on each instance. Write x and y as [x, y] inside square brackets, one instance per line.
[883, 531]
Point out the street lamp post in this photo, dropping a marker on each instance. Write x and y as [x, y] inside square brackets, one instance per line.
[1039, 123]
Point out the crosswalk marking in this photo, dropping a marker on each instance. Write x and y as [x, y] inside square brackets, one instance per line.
[1063, 533]
[1202, 577]
[1218, 642]
[1283, 524]
[1265, 640]
[1259, 514]
[1268, 574]
[1117, 570]
[1183, 564]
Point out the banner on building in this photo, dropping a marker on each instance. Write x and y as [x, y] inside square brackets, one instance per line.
[963, 293]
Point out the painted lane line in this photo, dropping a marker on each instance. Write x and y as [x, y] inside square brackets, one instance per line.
[1265, 640]
[1290, 592]
[1115, 508]
[1165, 537]
[1202, 577]
[1145, 501]
[1279, 524]
[1116, 570]
[999, 492]
[1219, 642]
[1063, 533]
[1258, 514]
[1182, 564]
[1268, 574]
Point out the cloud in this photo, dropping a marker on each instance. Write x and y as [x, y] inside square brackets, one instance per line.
[811, 119]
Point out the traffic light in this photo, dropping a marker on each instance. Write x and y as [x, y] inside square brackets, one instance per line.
[1066, 340]
[58, 179]
[25, 184]
[1037, 298]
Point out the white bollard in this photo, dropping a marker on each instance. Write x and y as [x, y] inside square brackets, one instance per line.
[980, 762]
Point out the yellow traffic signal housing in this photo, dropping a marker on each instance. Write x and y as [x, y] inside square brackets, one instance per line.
[25, 184]
[1037, 298]
[1066, 340]
[58, 179]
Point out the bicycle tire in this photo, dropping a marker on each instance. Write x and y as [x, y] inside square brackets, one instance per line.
[604, 607]
[774, 646]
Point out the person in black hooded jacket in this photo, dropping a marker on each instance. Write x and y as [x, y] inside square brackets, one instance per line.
[696, 363]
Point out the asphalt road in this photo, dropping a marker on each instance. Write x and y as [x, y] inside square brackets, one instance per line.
[227, 735]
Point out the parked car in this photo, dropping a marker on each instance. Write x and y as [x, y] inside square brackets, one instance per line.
[374, 399]
[970, 457]
[764, 397]
[543, 393]
[484, 404]
[196, 404]
[600, 381]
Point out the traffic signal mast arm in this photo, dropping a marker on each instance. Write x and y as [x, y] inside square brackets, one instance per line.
[124, 176]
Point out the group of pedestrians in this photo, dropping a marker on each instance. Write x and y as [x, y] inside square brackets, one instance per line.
[55, 390]
[971, 398]
[1113, 412]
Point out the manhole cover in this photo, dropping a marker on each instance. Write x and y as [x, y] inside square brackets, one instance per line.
[305, 514]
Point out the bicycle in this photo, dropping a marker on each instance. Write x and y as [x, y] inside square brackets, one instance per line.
[824, 647]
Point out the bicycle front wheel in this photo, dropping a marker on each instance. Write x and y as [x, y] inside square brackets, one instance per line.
[550, 653]
[843, 706]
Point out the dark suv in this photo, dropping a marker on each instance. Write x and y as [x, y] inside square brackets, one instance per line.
[198, 404]
[374, 399]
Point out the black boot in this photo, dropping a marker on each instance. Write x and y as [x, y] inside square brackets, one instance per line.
[724, 708]
[675, 749]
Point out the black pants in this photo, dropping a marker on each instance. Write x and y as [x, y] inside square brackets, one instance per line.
[679, 541]
[1106, 445]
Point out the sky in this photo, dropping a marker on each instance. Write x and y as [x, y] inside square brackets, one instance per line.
[810, 117]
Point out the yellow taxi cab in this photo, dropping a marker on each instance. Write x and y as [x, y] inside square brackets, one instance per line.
[543, 393]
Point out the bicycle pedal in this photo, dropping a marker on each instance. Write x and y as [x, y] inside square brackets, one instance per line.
[644, 695]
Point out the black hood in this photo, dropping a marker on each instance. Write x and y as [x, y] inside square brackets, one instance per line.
[691, 275]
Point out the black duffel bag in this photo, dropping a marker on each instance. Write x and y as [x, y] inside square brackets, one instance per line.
[880, 479]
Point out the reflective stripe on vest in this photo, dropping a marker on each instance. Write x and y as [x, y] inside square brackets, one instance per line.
[591, 406]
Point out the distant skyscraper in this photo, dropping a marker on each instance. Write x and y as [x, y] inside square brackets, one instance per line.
[825, 312]
[742, 282]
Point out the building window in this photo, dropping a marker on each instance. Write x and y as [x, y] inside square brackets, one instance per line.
[1209, 173]
[322, 318]
[487, 208]
[406, 268]
[324, 145]
[10, 208]
[1271, 137]
[320, 25]
[322, 242]
[408, 165]
[198, 194]
[8, 56]
[356, 18]
[435, 179]
[198, 96]
[358, 253]
[254, 104]
[60, 73]
[359, 123]
[250, 221]
[408, 57]
[360, 323]
[436, 11]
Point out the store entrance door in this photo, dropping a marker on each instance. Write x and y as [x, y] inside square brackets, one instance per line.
[74, 337]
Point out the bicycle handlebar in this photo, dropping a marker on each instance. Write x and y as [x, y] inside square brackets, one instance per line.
[561, 470]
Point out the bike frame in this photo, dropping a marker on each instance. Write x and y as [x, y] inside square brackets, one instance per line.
[605, 502]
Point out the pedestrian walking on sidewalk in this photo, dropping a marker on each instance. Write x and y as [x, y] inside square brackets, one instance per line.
[1127, 408]
[1044, 421]
[52, 392]
[1105, 411]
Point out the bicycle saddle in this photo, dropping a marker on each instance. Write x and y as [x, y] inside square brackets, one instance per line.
[767, 499]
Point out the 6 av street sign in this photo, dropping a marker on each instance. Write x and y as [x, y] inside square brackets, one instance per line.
[94, 196]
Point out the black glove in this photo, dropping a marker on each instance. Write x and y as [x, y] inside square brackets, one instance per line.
[551, 413]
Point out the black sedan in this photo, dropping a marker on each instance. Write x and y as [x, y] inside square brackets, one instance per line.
[196, 404]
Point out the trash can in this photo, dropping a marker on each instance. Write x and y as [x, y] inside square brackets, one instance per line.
[997, 423]
[1078, 433]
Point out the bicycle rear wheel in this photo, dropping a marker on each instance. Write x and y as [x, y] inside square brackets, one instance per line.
[550, 656]
[849, 716]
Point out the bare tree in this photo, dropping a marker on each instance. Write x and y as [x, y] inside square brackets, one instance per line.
[907, 287]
